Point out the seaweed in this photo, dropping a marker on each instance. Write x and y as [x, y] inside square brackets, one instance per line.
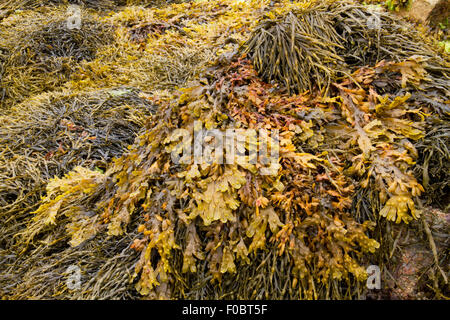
[304, 48]
[433, 169]
[362, 143]
[227, 237]
[42, 52]
[51, 134]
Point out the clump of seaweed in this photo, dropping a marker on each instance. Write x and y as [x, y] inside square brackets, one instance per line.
[371, 36]
[9, 6]
[42, 52]
[433, 168]
[33, 4]
[166, 48]
[221, 217]
[51, 134]
[298, 52]
[48, 136]
[43, 273]
[310, 47]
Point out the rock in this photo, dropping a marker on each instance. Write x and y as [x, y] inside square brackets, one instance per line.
[427, 11]
[416, 260]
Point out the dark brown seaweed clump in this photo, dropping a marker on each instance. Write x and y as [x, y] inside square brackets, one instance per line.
[314, 47]
[51, 134]
[41, 56]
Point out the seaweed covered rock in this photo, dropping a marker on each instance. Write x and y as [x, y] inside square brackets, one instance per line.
[8, 7]
[43, 272]
[323, 174]
[310, 46]
[206, 220]
[433, 168]
[51, 134]
[222, 221]
[40, 51]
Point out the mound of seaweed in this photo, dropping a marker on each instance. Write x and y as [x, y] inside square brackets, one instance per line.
[433, 168]
[347, 173]
[9, 6]
[42, 273]
[40, 51]
[313, 47]
[51, 134]
[207, 224]
[33, 4]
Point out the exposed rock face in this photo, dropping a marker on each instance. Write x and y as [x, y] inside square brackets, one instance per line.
[416, 259]
[440, 12]
[428, 11]
[412, 273]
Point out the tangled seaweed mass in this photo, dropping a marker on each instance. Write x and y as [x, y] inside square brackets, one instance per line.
[94, 121]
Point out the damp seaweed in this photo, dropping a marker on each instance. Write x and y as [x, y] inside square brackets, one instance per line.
[51, 134]
[310, 47]
[41, 55]
[361, 149]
